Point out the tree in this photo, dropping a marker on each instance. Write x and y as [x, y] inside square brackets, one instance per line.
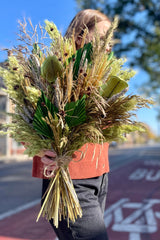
[139, 32]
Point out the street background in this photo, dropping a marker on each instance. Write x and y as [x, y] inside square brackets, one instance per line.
[133, 201]
[132, 207]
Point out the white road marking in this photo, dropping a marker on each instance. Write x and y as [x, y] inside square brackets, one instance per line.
[112, 208]
[136, 214]
[19, 209]
[141, 220]
[133, 228]
[134, 236]
[151, 175]
[152, 178]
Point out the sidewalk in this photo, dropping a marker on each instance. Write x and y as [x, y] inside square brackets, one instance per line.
[23, 226]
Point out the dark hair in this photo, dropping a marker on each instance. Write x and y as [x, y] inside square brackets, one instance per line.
[84, 19]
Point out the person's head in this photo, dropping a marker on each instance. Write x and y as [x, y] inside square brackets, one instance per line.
[87, 19]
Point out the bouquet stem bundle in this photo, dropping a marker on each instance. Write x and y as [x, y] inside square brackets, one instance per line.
[60, 199]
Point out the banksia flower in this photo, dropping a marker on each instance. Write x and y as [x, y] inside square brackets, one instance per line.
[51, 69]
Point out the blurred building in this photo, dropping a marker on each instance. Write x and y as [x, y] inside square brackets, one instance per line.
[7, 145]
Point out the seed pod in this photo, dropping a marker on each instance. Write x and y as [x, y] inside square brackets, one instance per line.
[85, 74]
[51, 69]
[113, 86]
[43, 104]
[15, 68]
[16, 87]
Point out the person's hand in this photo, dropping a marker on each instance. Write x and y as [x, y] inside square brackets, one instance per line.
[50, 165]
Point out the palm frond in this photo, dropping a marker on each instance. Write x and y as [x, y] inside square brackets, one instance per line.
[43, 106]
[76, 112]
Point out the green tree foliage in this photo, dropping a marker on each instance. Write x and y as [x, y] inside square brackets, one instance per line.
[139, 34]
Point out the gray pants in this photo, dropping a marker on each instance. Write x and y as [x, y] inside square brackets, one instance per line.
[92, 194]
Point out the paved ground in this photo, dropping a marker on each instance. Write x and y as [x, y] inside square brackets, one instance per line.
[133, 204]
[17, 187]
[132, 208]
[23, 226]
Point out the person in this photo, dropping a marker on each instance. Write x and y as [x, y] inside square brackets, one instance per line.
[90, 181]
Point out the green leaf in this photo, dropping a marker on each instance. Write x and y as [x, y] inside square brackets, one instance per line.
[43, 105]
[110, 56]
[36, 49]
[88, 48]
[113, 86]
[76, 112]
[53, 109]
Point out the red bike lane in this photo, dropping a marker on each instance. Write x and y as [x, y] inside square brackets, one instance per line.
[133, 203]
[132, 208]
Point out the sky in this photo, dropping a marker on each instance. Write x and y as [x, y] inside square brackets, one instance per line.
[61, 13]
